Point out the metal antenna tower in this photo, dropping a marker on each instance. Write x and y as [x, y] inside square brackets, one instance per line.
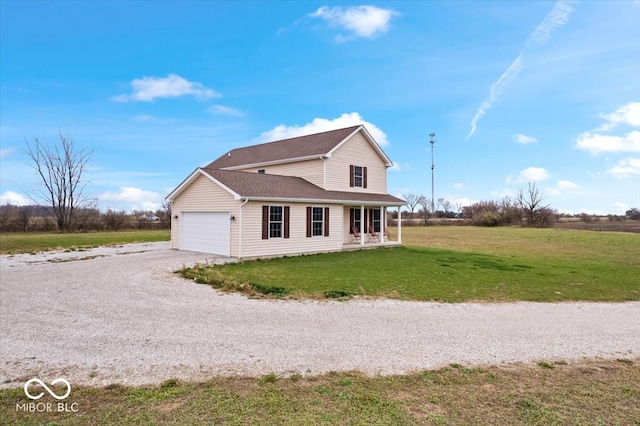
[433, 200]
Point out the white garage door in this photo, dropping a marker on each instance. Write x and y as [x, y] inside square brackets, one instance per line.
[207, 232]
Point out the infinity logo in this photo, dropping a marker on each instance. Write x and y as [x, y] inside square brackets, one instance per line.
[52, 393]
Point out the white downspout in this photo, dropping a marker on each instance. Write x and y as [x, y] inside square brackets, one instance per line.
[324, 173]
[240, 230]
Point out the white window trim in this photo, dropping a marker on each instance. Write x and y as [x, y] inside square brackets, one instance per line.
[281, 222]
[315, 221]
[355, 176]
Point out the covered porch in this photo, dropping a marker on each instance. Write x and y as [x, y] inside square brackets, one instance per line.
[366, 226]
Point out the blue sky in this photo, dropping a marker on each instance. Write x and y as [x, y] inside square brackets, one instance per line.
[515, 91]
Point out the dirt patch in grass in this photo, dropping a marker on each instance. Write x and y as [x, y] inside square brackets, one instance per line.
[586, 392]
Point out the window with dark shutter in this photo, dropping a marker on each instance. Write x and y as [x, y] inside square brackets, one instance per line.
[317, 221]
[276, 221]
[358, 178]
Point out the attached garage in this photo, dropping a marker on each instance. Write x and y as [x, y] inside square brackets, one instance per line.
[207, 232]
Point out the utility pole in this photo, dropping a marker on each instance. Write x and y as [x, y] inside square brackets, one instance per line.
[433, 200]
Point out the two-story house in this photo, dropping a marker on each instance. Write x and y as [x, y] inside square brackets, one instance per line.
[314, 193]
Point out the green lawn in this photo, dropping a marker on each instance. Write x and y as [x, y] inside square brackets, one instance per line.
[12, 243]
[453, 264]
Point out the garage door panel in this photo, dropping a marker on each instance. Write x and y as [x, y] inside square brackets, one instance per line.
[207, 232]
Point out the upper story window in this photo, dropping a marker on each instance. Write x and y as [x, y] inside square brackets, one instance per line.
[262, 171]
[357, 176]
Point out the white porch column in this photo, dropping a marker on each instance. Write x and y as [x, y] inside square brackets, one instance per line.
[382, 224]
[362, 225]
[400, 224]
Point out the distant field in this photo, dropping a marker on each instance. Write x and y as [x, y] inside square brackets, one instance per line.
[453, 264]
[12, 243]
[601, 225]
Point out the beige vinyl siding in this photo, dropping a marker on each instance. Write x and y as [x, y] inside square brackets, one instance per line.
[205, 195]
[311, 170]
[359, 152]
[254, 246]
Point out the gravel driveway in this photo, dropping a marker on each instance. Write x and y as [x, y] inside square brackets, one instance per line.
[119, 315]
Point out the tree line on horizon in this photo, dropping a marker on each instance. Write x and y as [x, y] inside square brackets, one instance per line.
[37, 218]
[526, 209]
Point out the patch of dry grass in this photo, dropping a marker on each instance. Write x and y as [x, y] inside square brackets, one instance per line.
[587, 392]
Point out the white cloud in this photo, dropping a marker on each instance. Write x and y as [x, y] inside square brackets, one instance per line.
[503, 193]
[130, 193]
[318, 125]
[625, 168]
[134, 199]
[626, 114]
[458, 186]
[225, 110]
[496, 89]
[463, 202]
[558, 16]
[596, 143]
[524, 139]
[359, 21]
[531, 174]
[5, 152]
[143, 117]
[566, 184]
[561, 187]
[620, 208]
[11, 197]
[147, 89]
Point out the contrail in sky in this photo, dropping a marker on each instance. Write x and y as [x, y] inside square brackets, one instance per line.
[558, 16]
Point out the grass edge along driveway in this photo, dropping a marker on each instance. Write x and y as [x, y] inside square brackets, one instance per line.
[452, 264]
[586, 392]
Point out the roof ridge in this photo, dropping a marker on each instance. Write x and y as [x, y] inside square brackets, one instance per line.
[314, 134]
[305, 146]
[296, 137]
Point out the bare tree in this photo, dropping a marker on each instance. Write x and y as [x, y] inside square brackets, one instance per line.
[510, 211]
[531, 204]
[61, 168]
[446, 205]
[426, 205]
[413, 200]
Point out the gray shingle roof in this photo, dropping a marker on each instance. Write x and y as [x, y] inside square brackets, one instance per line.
[265, 186]
[303, 146]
